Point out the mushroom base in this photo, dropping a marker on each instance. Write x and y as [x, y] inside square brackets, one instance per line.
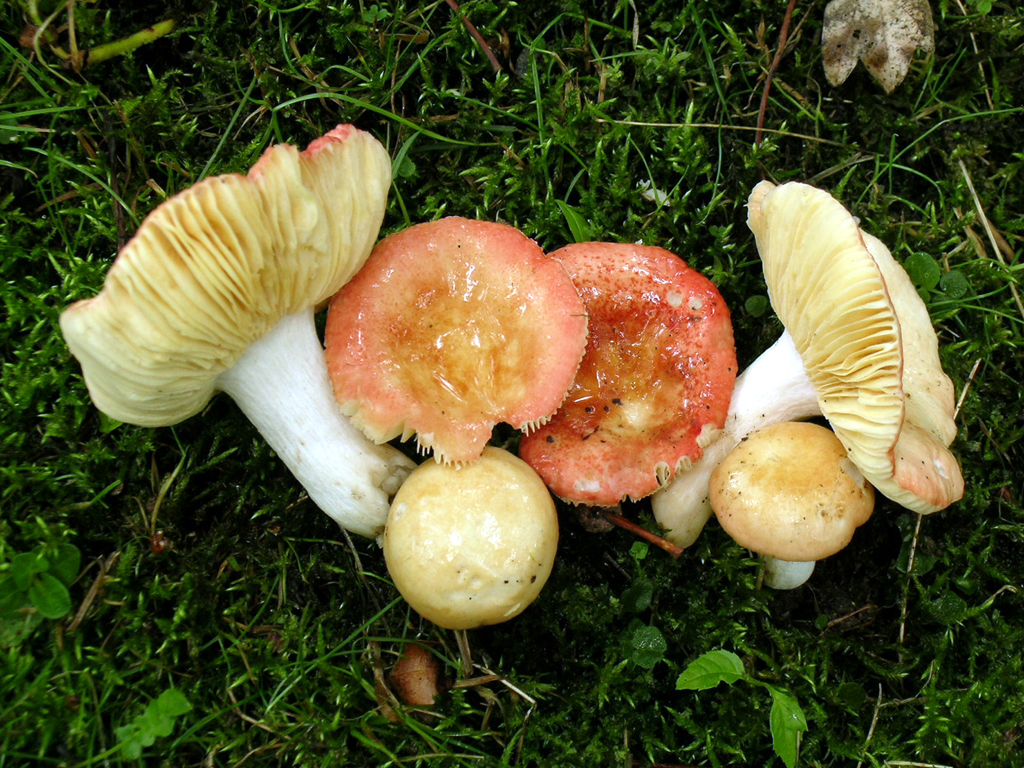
[281, 384]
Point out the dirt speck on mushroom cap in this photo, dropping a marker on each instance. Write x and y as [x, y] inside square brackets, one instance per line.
[655, 381]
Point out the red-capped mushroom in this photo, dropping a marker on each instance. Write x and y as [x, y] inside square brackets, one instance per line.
[444, 330]
[655, 381]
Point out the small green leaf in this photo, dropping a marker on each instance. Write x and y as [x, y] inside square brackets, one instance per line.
[709, 670]
[578, 226]
[172, 703]
[648, 646]
[407, 168]
[158, 719]
[49, 596]
[954, 284]
[107, 424]
[638, 597]
[756, 306]
[27, 565]
[65, 563]
[132, 740]
[787, 723]
[639, 550]
[923, 270]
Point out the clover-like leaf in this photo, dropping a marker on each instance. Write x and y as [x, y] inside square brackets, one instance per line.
[648, 645]
[158, 719]
[26, 566]
[65, 564]
[49, 596]
[884, 34]
[924, 270]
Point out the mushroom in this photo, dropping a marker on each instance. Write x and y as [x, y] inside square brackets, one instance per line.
[858, 348]
[216, 292]
[789, 492]
[472, 544]
[451, 327]
[654, 385]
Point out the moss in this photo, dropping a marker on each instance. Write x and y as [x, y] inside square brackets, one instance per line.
[216, 576]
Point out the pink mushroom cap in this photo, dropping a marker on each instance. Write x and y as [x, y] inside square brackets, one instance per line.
[655, 381]
[451, 327]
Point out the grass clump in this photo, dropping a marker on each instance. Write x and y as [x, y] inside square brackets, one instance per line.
[204, 570]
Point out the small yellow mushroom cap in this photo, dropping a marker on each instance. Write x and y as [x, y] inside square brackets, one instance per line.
[472, 544]
[789, 491]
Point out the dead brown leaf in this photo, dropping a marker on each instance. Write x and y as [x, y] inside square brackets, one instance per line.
[884, 34]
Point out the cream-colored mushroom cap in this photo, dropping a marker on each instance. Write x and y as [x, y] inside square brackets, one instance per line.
[790, 491]
[865, 339]
[214, 268]
[471, 545]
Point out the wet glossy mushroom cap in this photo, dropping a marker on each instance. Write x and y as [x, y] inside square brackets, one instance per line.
[451, 327]
[474, 544]
[789, 491]
[655, 381]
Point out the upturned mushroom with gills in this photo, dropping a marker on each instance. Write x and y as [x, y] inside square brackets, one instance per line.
[858, 348]
[217, 292]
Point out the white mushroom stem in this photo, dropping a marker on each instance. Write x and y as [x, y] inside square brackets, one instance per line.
[773, 389]
[281, 384]
[786, 574]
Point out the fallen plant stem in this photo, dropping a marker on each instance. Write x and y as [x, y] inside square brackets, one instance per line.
[476, 36]
[724, 127]
[874, 723]
[967, 386]
[625, 523]
[910, 569]
[94, 590]
[106, 51]
[991, 236]
[78, 59]
[779, 50]
[465, 653]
